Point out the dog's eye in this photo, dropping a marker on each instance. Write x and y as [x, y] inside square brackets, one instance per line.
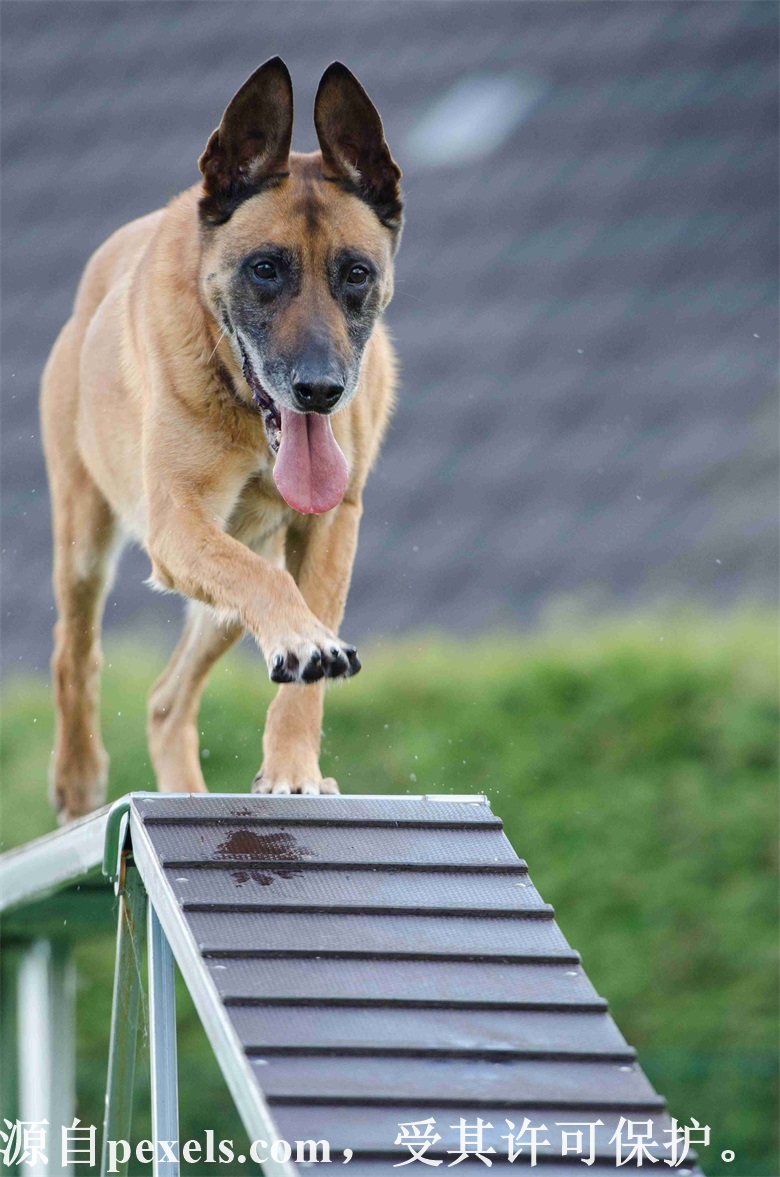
[265, 270]
[357, 275]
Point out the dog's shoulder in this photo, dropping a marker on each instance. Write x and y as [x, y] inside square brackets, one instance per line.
[113, 260]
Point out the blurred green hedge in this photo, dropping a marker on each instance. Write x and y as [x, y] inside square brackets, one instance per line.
[634, 764]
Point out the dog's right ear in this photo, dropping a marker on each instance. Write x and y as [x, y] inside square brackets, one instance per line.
[251, 145]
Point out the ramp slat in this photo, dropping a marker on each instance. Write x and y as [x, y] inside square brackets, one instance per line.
[265, 1028]
[301, 845]
[264, 889]
[372, 1130]
[410, 981]
[434, 813]
[262, 933]
[368, 1081]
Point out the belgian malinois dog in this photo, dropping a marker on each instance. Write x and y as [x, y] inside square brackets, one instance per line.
[219, 395]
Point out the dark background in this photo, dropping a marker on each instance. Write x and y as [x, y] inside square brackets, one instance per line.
[586, 300]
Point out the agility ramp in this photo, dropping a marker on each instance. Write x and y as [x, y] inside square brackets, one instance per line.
[359, 963]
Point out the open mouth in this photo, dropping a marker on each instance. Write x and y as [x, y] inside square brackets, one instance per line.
[310, 470]
[266, 405]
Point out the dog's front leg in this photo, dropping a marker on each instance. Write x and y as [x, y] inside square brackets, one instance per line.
[291, 741]
[191, 554]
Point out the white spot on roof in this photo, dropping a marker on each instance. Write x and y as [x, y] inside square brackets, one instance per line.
[473, 119]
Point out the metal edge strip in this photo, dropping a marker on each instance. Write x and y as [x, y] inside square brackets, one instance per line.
[439, 1053]
[544, 912]
[518, 867]
[475, 1102]
[597, 1005]
[40, 868]
[464, 798]
[357, 954]
[325, 823]
[240, 1077]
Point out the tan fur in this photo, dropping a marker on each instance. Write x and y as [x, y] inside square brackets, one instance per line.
[144, 438]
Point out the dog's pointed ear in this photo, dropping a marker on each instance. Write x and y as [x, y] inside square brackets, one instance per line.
[252, 143]
[352, 142]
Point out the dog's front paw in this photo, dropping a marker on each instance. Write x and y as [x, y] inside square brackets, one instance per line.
[306, 661]
[266, 782]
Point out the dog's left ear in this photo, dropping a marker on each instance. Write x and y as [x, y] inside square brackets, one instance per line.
[252, 143]
[352, 141]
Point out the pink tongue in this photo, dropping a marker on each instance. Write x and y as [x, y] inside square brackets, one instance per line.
[310, 470]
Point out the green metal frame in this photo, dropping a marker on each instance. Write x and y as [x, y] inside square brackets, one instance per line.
[116, 841]
[130, 936]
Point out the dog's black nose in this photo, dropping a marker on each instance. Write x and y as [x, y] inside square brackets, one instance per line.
[317, 396]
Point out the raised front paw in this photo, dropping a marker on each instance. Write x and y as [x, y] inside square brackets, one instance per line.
[307, 661]
[266, 782]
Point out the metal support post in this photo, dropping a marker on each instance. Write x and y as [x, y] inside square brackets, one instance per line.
[162, 1049]
[131, 927]
[9, 1077]
[46, 996]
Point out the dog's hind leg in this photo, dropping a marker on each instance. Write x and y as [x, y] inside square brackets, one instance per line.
[85, 549]
[174, 700]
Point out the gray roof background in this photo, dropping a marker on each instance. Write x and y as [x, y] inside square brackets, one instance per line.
[586, 304]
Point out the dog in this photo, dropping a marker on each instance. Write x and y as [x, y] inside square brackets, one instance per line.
[219, 396]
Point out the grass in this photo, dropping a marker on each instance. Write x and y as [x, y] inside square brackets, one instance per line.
[634, 765]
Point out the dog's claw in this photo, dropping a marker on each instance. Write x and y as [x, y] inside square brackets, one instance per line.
[313, 670]
[279, 671]
[283, 787]
[354, 662]
[338, 664]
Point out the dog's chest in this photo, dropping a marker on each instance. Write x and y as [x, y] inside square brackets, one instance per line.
[260, 512]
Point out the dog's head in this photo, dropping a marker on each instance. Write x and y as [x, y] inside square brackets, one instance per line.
[297, 260]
